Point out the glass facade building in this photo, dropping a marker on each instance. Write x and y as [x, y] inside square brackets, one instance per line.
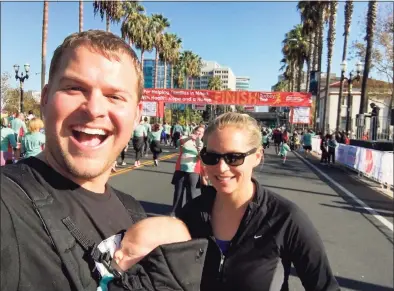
[242, 83]
[149, 74]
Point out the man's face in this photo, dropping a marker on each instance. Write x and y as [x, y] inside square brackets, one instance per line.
[90, 109]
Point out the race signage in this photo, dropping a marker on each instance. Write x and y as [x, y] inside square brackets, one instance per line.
[287, 99]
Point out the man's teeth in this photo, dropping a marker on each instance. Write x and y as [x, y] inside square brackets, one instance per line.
[96, 131]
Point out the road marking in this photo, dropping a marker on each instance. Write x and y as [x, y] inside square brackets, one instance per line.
[146, 163]
[372, 211]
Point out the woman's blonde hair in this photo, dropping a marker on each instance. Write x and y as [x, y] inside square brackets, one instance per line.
[35, 124]
[239, 121]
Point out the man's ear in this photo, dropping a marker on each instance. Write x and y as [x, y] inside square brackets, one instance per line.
[44, 99]
[138, 114]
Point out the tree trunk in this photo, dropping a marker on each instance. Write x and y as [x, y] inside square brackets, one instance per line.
[172, 76]
[80, 15]
[330, 43]
[142, 59]
[348, 19]
[316, 51]
[300, 69]
[320, 56]
[156, 68]
[192, 83]
[107, 22]
[44, 43]
[309, 63]
[372, 7]
[165, 75]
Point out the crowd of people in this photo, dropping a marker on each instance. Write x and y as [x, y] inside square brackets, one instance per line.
[64, 227]
[21, 137]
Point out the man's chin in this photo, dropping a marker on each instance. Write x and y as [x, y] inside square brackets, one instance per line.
[86, 168]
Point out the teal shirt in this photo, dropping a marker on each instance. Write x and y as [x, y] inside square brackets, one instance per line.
[7, 138]
[148, 127]
[284, 148]
[154, 135]
[140, 131]
[307, 139]
[32, 144]
[16, 125]
[265, 138]
[167, 128]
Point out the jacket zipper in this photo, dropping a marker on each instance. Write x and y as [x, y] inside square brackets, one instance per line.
[222, 258]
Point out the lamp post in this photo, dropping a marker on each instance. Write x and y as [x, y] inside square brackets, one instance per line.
[21, 79]
[350, 86]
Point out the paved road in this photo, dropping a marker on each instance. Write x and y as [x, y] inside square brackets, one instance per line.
[359, 246]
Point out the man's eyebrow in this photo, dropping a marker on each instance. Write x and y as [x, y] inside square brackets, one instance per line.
[81, 81]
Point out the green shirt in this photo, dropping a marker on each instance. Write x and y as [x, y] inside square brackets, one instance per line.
[148, 127]
[140, 131]
[7, 138]
[17, 124]
[167, 128]
[154, 135]
[284, 148]
[32, 144]
[307, 139]
[265, 139]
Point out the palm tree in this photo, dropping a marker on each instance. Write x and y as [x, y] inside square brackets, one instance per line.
[132, 12]
[215, 83]
[159, 24]
[348, 21]
[371, 23]
[112, 10]
[330, 48]
[80, 15]
[144, 40]
[170, 54]
[44, 42]
[190, 65]
[295, 51]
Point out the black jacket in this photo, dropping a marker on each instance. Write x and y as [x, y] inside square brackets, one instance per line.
[171, 267]
[273, 233]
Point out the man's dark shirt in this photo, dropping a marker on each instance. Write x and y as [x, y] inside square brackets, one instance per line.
[28, 259]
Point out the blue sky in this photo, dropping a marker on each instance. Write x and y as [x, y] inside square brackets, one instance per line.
[245, 36]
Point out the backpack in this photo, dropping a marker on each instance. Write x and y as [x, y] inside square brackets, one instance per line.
[61, 230]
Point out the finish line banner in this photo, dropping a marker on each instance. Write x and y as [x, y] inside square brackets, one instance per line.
[279, 99]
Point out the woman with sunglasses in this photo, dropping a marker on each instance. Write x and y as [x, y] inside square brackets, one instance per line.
[254, 234]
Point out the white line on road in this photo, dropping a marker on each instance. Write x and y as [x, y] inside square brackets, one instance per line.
[372, 211]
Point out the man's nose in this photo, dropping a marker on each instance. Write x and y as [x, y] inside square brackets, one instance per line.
[96, 105]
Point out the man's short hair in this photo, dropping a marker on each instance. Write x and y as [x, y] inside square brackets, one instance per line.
[106, 43]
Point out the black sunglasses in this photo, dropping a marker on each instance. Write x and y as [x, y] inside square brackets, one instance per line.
[231, 159]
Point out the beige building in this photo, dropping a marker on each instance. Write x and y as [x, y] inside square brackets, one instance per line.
[212, 69]
[379, 93]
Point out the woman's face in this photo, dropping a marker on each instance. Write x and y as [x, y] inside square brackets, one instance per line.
[230, 179]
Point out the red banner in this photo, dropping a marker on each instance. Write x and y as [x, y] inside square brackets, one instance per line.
[278, 99]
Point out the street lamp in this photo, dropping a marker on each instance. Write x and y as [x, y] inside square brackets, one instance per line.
[21, 79]
[359, 67]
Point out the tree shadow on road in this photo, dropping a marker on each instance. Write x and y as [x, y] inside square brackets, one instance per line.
[353, 284]
[155, 209]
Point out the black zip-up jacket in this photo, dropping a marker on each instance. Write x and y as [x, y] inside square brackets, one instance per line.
[273, 234]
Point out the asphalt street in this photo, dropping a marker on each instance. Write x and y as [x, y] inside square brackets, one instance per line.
[357, 237]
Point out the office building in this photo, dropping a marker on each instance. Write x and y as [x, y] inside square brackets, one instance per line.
[212, 69]
[149, 74]
[242, 83]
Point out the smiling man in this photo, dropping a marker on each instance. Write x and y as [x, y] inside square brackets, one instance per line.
[57, 207]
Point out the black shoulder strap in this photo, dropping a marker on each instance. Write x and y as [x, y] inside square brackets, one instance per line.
[51, 214]
[133, 207]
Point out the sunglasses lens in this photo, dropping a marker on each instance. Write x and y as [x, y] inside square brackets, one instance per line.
[234, 160]
[209, 158]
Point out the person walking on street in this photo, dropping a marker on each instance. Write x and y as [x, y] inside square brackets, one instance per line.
[332, 145]
[139, 136]
[33, 142]
[154, 142]
[148, 129]
[284, 149]
[187, 169]
[177, 133]
[18, 125]
[307, 142]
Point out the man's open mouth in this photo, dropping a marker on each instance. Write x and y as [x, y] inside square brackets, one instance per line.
[90, 137]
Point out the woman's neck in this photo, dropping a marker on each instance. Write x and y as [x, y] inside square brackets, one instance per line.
[237, 200]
